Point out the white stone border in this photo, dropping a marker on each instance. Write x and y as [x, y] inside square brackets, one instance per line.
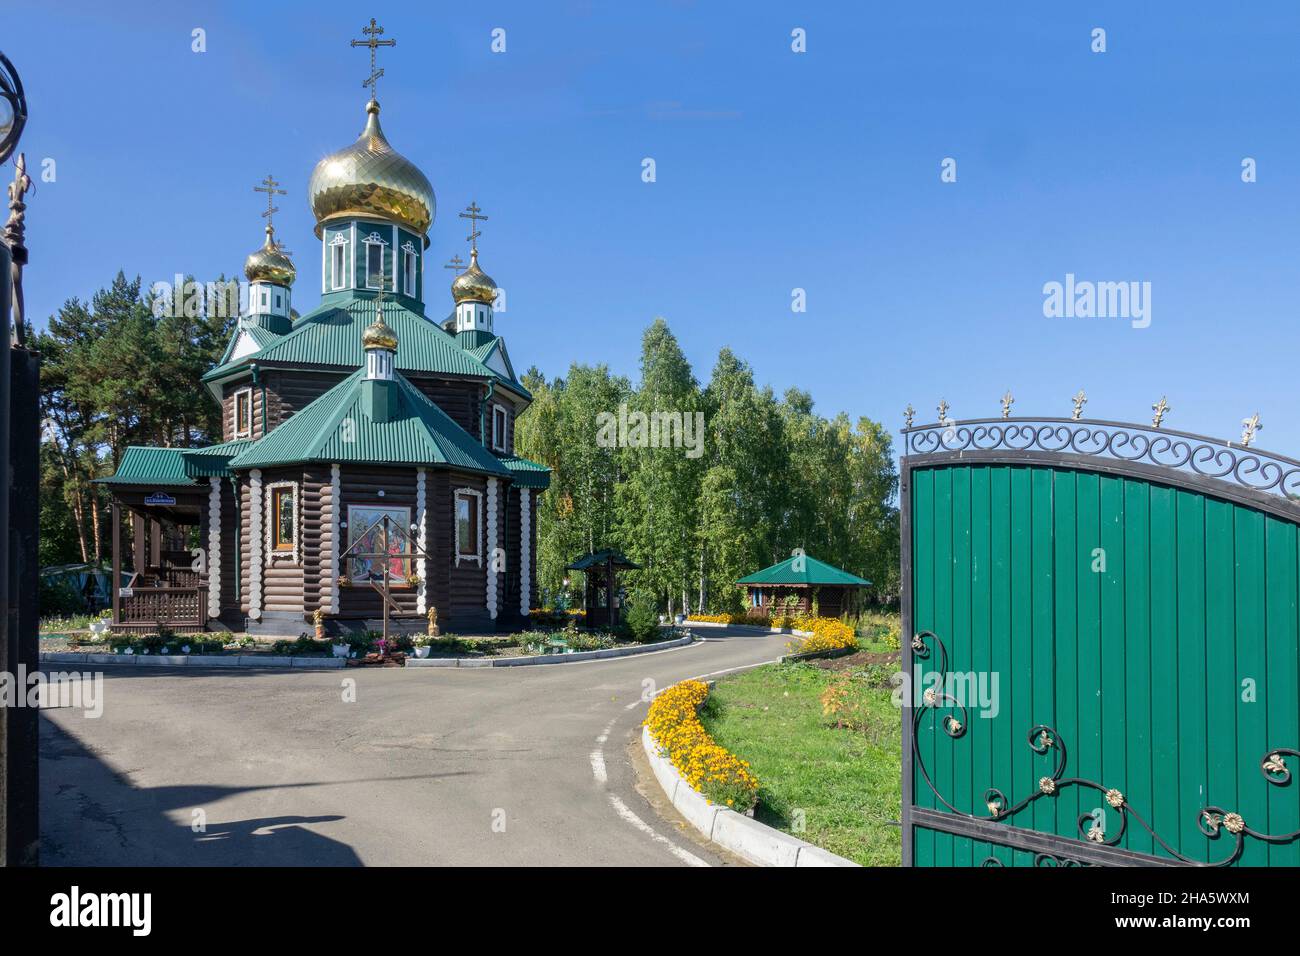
[574, 658]
[255, 544]
[525, 552]
[421, 542]
[214, 548]
[492, 548]
[742, 835]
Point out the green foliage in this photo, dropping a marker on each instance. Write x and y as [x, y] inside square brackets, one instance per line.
[773, 476]
[58, 598]
[643, 617]
[116, 372]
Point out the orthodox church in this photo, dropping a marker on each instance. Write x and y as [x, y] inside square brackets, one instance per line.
[361, 441]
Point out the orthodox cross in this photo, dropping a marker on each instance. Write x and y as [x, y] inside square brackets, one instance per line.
[1248, 428]
[373, 33]
[1161, 408]
[1007, 402]
[271, 188]
[1080, 400]
[474, 214]
[457, 264]
[908, 412]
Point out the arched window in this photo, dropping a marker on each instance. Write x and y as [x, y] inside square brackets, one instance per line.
[338, 262]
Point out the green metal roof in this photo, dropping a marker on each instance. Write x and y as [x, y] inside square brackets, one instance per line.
[621, 560]
[814, 572]
[527, 473]
[338, 427]
[151, 466]
[174, 467]
[331, 335]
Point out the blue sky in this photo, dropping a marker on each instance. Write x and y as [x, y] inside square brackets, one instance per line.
[775, 170]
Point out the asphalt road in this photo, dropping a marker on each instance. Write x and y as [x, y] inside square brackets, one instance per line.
[477, 766]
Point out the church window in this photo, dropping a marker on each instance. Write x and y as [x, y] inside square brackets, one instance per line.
[244, 413]
[338, 262]
[408, 268]
[283, 518]
[375, 272]
[499, 423]
[468, 505]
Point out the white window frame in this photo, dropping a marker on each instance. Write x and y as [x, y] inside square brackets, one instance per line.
[338, 262]
[273, 555]
[234, 423]
[499, 440]
[477, 556]
[410, 267]
[372, 240]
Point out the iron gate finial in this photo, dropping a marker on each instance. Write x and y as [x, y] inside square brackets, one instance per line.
[1248, 428]
[1080, 400]
[908, 412]
[1007, 402]
[1161, 408]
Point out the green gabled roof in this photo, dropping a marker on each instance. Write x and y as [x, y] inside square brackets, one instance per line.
[527, 473]
[262, 337]
[151, 466]
[601, 557]
[174, 467]
[338, 427]
[331, 335]
[814, 572]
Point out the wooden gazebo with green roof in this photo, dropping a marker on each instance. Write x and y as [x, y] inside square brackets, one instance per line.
[794, 585]
[601, 593]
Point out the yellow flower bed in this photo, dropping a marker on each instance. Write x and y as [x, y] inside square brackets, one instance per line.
[828, 634]
[713, 771]
[711, 618]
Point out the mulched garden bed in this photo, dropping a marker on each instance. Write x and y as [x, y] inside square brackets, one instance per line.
[855, 661]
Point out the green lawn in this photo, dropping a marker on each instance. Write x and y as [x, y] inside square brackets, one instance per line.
[845, 780]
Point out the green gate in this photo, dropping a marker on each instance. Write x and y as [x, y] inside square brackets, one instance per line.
[1105, 663]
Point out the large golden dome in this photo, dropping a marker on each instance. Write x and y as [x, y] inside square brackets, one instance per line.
[474, 285]
[269, 264]
[370, 178]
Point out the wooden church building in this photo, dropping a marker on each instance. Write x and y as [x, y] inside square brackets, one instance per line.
[362, 409]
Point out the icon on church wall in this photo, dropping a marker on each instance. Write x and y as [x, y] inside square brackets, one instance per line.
[366, 532]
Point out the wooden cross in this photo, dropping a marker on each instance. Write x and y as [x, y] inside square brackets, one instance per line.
[457, 264]
[270, 187]
[473, 214]
[410, 553]
[373, 33]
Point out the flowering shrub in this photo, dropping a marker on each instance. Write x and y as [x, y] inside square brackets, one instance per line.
[828, 634]
[711, 770]
[712, 618]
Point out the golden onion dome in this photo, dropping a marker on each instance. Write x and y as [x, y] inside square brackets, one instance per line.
[370, 178]
[473, 285]
[269, 264]
[379, 335]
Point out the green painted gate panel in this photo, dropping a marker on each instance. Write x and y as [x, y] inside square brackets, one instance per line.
[1157, 629]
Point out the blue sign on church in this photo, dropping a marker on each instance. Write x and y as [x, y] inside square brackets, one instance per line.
[160, 498]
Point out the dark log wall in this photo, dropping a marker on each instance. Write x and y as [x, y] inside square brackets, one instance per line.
[230, 542]
[290, 391]
[282, 574]
[460, 400]
[468, 579]
[228, 410]
[510, 535]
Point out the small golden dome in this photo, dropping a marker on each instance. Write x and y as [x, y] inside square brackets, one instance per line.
[269, 264]
[378, 335]
[474, 285]
[370, 178]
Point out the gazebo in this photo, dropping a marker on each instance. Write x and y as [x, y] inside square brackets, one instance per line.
[600, 598]
[792, 586]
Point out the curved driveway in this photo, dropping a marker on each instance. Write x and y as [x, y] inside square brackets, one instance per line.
[428, 766]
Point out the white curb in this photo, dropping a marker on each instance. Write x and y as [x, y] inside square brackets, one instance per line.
[742, 835]
[548, 658]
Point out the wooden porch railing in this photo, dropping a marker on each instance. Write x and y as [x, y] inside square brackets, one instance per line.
[169, 606]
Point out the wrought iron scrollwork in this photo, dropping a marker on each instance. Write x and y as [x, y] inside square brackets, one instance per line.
[1044, 739]
[1183, 451]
